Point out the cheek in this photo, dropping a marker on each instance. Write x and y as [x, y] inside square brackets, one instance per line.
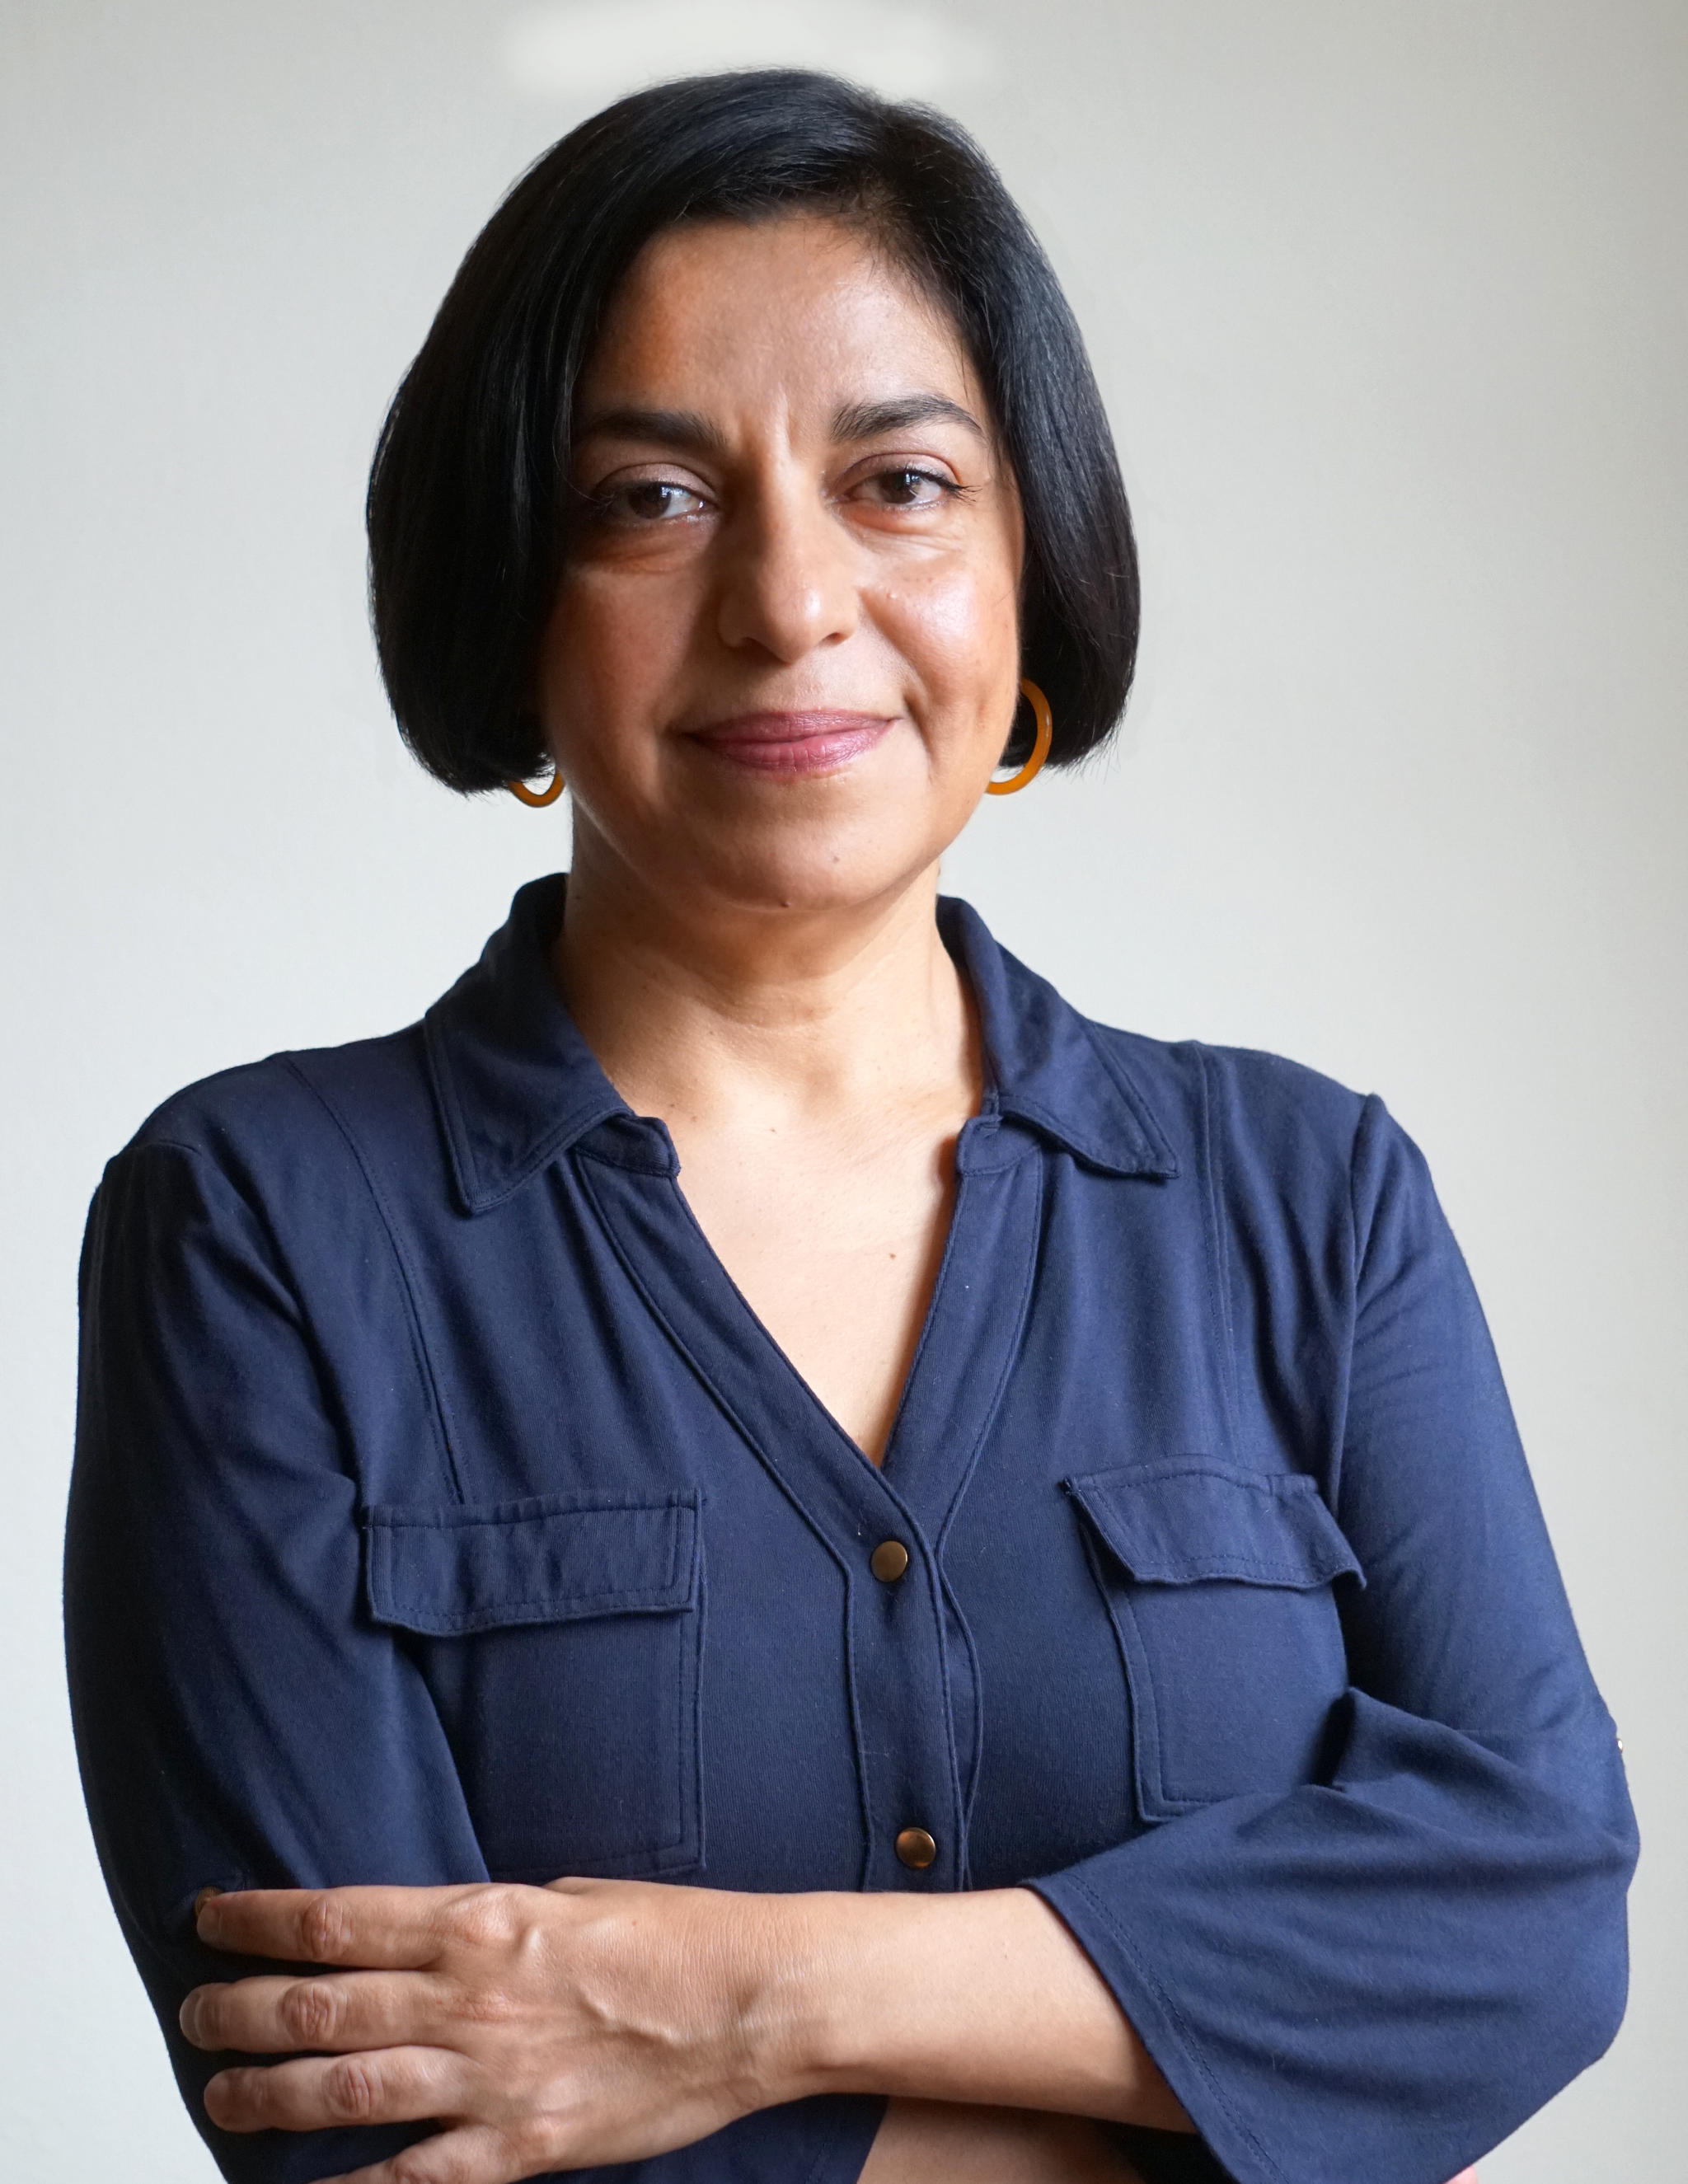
[957, 626]
[603, 625]
[610, 655]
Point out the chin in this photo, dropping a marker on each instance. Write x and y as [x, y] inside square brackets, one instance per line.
[809, 871]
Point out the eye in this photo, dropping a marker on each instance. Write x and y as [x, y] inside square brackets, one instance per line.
[905, 485]
[647, 501]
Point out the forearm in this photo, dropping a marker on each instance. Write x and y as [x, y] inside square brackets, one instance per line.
[979, 1998]
[604, 2021]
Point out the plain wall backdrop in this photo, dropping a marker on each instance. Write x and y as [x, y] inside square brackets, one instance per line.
[1387, 299]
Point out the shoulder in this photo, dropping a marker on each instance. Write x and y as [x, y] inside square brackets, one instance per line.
[293, 1130]
[1150, 1105]
[1238, 1097]
[267, 1185]
[1285, 1149]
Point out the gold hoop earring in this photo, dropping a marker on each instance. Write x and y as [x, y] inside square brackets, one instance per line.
[1034, 765]
[536, 800]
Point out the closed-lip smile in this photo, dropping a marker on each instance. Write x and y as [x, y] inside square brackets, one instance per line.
[793, 742]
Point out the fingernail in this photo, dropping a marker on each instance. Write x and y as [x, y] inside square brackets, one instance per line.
[187, 2015]
[202, 1899]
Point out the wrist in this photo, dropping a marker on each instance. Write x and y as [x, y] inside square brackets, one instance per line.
[835, 2009]
[972, 1998]
[840, 1992]
[781, 2014]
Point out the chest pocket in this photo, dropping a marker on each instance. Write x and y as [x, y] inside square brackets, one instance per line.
[1219, 1583]
[561, 1639]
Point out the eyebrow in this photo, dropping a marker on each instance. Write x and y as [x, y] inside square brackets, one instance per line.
[867, 420]
[685, 431]
[688, 432]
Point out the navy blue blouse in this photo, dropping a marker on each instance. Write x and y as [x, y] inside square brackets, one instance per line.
[441, 1511]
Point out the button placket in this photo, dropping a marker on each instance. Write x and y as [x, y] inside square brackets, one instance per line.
[898, 1647]
[899, 1675]
[913, 1696]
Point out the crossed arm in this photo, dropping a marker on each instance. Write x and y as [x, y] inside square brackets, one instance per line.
[600, 2021]
[603, 2018]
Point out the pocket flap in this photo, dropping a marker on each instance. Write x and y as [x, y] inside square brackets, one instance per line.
[556, 1559]
[1188, 1518]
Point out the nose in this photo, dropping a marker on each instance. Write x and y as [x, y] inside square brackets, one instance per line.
[788, 579]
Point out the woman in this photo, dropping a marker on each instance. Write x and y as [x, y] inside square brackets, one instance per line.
[784, 1560]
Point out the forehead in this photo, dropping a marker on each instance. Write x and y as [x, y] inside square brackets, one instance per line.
[799, 308]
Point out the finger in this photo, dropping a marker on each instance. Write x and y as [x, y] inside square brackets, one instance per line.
[333, 2013]
[380, 1929]
[474, 2155]
[395, 2085]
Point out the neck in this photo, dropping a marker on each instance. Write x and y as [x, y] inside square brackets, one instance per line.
[697, 1009]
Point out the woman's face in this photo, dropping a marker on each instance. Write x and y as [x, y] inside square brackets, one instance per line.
[784, 655]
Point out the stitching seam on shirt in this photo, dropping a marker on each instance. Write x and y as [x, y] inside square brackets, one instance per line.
[691, 1721]
[1230, 1389]
[418, 1344]
[572, 1609]
[1370, 1107]
[1278, 1573]
[443, 1083]
[282, 1273]
[1010, 1352]
[1290, 1486]
[1174, 2016]
[1152, 1141]
[1277, 1485]
[384, 1518]
[605, 1158]
[937, 1589]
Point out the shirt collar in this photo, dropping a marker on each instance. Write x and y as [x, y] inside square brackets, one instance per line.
[1044, 1064]
[517, 1085]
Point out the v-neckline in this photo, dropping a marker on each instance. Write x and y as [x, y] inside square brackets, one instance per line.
[961, 1362]
[984, 1119]
[788, 1363]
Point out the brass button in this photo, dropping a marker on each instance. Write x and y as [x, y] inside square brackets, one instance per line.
[916, 1848]
[888, 1560]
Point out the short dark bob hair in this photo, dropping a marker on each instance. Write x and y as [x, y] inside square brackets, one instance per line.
[467, 494]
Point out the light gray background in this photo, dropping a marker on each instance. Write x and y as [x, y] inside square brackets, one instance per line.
[1387, 299]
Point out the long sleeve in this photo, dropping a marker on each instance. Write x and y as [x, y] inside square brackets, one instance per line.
[1382, 1974]
[240, 1719]
[237, 1723]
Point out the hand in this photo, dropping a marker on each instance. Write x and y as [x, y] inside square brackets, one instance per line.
[601, 2021]
[594, 2021]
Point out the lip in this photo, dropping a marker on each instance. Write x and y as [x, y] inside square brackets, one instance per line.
[793, 744]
